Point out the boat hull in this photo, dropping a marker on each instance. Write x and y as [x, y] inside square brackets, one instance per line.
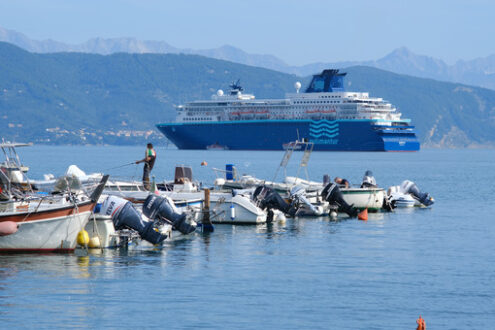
[50, 230]
[225, 208]
[337, 135]
[362, 198]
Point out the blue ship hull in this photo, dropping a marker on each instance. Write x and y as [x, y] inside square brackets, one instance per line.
[337, 135]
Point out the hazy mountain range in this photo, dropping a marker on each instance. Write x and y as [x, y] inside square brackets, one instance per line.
[477, 72]
[77, 98]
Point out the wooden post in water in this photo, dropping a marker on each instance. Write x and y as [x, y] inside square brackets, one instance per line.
[207, 225]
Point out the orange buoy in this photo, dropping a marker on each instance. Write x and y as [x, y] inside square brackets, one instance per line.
[421, 323]
[363, 215]
[8, 228]
[203, 163]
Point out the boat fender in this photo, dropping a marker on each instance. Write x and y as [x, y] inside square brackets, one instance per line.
[94, 242]
[97, 208]
[232, 212]
[8, 228]
[83, 238]
[280, 217]
[363, 215]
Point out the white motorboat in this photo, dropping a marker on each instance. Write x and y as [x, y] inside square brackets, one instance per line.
[187, 196]
[408, 195]
[362, 198]
[224, 207]
[369, 197]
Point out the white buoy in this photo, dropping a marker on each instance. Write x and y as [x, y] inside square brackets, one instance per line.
[232, 212]
[333, 215]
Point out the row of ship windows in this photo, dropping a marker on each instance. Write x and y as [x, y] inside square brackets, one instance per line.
[343, 109]
[315, 102]
[198, 118]
[271, 107]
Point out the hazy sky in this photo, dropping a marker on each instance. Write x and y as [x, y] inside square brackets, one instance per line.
[299, 32]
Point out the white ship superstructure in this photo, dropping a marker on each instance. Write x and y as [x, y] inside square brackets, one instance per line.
[236, 106]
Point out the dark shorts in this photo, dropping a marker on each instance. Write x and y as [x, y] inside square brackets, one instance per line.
[146, 172]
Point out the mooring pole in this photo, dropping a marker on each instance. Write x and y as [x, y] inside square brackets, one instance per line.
[207, 225]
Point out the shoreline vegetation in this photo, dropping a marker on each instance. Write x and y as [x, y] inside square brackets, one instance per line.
[75, 98]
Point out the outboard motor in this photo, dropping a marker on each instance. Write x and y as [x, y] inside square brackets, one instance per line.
[125, 215]
[326, 179]
[298, 195]
[368, 180]
[160, 207]
[331, 193]
[409, 187]
[389, 204]
[270, 199]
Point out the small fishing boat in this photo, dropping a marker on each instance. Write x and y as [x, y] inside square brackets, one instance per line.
[40, 222]
[46, 223]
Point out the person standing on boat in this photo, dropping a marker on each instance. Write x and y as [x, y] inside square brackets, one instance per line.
[342, 182]
[149, 162]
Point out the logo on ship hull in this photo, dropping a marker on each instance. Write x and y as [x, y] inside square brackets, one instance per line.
[324, 131]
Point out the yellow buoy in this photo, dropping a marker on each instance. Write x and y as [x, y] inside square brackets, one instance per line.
[83, 238]
[94, 242]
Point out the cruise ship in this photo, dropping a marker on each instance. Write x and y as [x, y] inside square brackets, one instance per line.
[325, 114]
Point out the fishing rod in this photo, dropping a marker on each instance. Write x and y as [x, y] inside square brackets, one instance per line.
[112, 168]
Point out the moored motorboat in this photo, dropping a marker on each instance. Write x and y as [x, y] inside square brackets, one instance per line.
[361, 198]
[47, 223]
[225, 207]
[43, 222]
[408, 195]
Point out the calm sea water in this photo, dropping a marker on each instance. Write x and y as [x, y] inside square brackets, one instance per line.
[306, 273]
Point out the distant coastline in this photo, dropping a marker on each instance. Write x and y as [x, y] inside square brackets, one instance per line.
[78, 99]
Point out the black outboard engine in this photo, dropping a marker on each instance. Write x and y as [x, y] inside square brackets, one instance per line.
[298, 195]
[368, 180]
[388, 204]
[409, 187]
[331, 193]
[130, 217]
[159, 207]
[270, 199]
[326, 179]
